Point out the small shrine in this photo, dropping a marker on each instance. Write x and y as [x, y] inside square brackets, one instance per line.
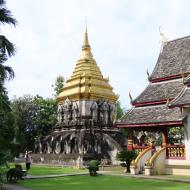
[86, 114]
[163, 106]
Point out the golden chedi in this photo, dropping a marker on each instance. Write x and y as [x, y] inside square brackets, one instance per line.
[87, 81]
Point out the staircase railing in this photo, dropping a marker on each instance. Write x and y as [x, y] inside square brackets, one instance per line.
[139, 148]
[137, 165]
[156, 164]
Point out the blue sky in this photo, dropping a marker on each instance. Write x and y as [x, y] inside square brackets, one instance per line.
[124, 36]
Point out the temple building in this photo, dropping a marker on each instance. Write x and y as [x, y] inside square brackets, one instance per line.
[163, 106]
[86, 113]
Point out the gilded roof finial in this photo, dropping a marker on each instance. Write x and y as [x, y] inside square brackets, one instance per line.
[131, 98]
[167, 101]
[147, 72]
[164, 39]
[86, 45]
[182, 75]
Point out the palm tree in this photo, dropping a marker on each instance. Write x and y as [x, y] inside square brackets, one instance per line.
[7, 49]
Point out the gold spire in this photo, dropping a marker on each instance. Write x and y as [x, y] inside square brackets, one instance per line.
[87, 81]
[86, 42]
[86, 53]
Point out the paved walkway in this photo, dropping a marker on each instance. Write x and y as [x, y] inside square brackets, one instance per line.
[160, 177]
[53, 176]
[13, 187]
[166, 178]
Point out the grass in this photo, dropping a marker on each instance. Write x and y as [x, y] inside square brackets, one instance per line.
[45, 170]
[102, 182]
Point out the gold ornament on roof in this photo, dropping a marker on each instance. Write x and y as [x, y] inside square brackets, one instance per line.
[147, 72]
[130, 96]
[182, 75]
[164, 39]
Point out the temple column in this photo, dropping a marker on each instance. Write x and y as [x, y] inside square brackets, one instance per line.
[164, 137]
[130, 139]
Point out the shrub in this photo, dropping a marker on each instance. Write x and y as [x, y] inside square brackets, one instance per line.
[3, 171]
[93, 167]
[126, 156]
[4, 157]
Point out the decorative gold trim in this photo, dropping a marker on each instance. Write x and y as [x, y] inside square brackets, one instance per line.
[135, 162]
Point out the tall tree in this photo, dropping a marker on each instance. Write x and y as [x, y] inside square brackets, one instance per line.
[34, 117]
[24, 112]
[119, 110]
[59, 83]
[7, 49]
[46, 115]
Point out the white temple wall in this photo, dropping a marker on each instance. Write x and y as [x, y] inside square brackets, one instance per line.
[177, 162]
[187, 135]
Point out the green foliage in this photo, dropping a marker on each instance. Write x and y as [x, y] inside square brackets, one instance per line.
[93, 167]
[126, 156]
[34, 116]
[6, 128]
[175, 135]
[7, 49]
[24, 112]
[5, 15]
[2, 176]
[46, 115]
[59, 83]
[120, 111]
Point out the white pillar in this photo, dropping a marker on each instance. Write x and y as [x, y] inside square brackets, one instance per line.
[187, 134]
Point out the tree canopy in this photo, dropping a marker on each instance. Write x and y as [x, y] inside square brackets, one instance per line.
[34, 116]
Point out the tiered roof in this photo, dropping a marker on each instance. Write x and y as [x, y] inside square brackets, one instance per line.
[182, 100]
[159, 92]
[149, 116]
[173, 60]
[158, 104]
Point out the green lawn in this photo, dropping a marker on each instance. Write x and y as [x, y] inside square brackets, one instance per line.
[102, 182]
[45, 170]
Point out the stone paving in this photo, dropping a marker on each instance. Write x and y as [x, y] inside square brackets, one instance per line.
[159, 177]
[13, 187]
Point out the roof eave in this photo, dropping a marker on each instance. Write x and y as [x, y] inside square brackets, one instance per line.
[157, 124]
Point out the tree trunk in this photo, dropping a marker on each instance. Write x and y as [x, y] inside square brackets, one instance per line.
[128, 167]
